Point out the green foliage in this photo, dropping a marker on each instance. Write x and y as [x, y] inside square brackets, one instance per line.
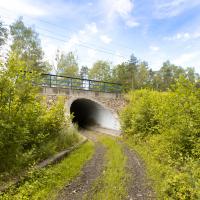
[100, 71]
[3, 34]
[84, 72]
[26, 46]
[120, 74]
[136, 74]
[164, 127]
[67, 64]
[30, 129]
[142, 118]
[132, 74]
[46, 183]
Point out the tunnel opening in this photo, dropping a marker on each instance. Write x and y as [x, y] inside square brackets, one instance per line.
[88, 113]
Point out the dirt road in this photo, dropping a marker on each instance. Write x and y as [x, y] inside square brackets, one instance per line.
[138, 187]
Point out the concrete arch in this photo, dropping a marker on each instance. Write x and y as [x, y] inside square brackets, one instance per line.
[90, 112]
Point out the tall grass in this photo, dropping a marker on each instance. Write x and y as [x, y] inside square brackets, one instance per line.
[46, 183]
[112, 183]
[164, 128]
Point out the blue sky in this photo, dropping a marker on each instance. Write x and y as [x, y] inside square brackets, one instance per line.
[154, 30]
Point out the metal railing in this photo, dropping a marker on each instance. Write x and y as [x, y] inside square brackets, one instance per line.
[49, 80]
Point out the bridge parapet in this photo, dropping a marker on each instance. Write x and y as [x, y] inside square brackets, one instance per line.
[65, 82]
[107, 103]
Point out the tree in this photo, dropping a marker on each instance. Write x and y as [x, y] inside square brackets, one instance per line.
[18, 106]
[3, 34]
[123, 73]
[84, 72]
[26, 46]
[67, 64]
[120, 74]
[133, 60]
[156, 80]
[100, 71]
[132, 74]
[142, 75]
[191, 75]
[27, 123]
[169, 73]
[132, 71]
[3, 38]
[84, 75]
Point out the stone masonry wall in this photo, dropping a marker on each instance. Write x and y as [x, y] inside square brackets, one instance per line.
[113, 102]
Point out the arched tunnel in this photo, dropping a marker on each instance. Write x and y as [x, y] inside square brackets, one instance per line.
[90, 113]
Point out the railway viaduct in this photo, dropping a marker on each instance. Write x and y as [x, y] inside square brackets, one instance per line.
[93, 103]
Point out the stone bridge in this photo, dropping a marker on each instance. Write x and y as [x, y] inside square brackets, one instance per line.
[91, 108]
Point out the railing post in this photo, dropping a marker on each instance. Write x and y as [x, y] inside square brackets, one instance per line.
[50, 81]
[71, 82]
[104, 87]
[78, 83]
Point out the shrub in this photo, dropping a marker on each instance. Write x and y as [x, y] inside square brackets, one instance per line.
[166, 126]
[30, 130]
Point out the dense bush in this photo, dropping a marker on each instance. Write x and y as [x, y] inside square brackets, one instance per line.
[165, 128]
[30, 129]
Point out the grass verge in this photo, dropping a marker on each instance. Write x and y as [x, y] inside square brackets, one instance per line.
[111, 185]
[169, 182]
[66, 138]
[46, 183]
[156, 171]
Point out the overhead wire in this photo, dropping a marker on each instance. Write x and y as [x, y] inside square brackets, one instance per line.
[84, 45]
[64, 28]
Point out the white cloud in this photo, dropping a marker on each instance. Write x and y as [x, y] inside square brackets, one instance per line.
[22, 7]
[82, 32]
[187, 58]
[75, 42]
[72, 42]
[92, 27]
[49, 48]
[120, 8]
[82, 36]
[119, 58]
[91, 53]
[132, 23]
[154, 48]
[105, 39]
[52, 10]
[172, 8]
[183, 36]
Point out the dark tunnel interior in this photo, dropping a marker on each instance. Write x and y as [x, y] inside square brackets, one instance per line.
[85, 112]
[89, 113]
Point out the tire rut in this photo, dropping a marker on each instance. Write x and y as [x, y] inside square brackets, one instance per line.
[139, 187]
[90, 172]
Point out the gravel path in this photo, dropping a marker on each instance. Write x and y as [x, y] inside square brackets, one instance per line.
[139, 187]
[90, 172]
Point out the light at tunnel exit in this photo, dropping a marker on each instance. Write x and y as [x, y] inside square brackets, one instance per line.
[89, 113]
